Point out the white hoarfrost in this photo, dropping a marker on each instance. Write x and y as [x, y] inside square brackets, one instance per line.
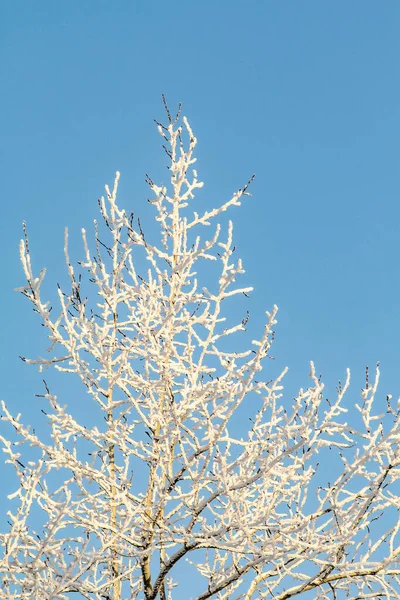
[111, 510]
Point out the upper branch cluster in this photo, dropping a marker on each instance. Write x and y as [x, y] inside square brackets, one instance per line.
[167, 478]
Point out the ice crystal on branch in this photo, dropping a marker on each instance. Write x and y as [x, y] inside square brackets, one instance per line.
[166, 481]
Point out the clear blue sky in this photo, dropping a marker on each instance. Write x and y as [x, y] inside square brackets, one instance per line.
[304, 94]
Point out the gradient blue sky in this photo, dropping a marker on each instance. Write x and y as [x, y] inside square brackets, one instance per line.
[304, 94]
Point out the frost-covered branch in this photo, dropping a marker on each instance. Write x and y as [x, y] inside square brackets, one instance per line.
[165, 474]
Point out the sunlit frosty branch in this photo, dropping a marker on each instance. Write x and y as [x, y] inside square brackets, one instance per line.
[109, 510]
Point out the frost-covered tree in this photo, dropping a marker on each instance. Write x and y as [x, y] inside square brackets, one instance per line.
[113, 510]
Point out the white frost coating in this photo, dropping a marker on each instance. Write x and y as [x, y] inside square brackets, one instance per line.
[166, 480]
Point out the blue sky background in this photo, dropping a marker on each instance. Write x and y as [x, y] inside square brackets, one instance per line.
[304, 94]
